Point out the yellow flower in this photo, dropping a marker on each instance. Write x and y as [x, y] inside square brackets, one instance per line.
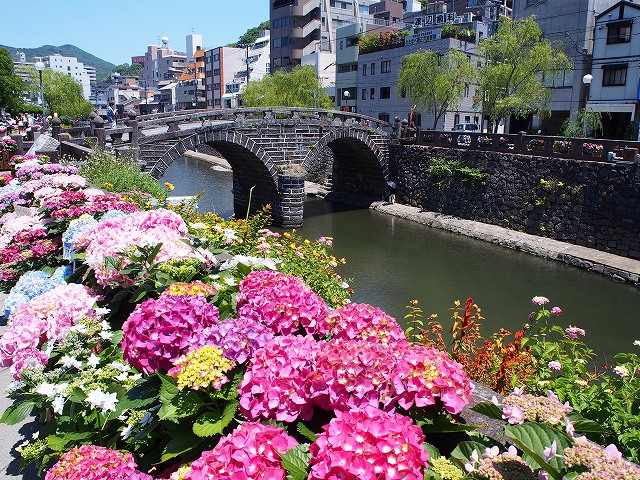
[203, 368]
[169, 186]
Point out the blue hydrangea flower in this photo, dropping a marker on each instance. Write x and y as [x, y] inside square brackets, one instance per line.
[32, 284]
[71, 234]
[111, 214]
[61, 274]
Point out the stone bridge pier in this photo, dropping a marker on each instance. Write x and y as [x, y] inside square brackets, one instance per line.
[273, 153]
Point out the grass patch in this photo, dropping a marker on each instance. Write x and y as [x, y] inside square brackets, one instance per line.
[120, 175]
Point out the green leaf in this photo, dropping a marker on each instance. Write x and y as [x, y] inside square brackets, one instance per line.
[431, 475]
[444, 424]
[17, 412]
[182, 440]
[296, 462]
[583, 425]
[306, 432]
[168, 390]
[431, 450]
[533, 438]
[184, 404]
[488, 409]
[143, 394]
[462, 453]
[211, 423]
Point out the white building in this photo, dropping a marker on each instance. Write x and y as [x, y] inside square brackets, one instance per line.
[255, 66]
[614, 89]
[70, 66]
[194, 43]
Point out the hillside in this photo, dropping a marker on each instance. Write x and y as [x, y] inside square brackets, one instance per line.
[102, 67]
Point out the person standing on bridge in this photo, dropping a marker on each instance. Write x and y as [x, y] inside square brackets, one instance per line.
[111, 115]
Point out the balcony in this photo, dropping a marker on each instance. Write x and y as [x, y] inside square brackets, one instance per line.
[303, 32]
[303, 10]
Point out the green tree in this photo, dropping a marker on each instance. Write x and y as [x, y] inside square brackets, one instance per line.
[516, 60]
[11, 85]
[251, 35]
[435, 83]
[63, 95]
[298, 88]
[125, 70]
[587, 122]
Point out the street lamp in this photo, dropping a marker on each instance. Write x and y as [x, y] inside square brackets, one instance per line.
[346, 96]
[587, 79]
[39, 66]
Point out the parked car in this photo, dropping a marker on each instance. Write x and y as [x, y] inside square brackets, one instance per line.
[465, 127]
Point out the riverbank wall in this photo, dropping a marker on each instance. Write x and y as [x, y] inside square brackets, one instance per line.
[585, 203]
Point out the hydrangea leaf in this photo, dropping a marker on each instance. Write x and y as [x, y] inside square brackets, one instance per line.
[182, 440]
[488, 409]
[306, 432]
[431, 450]
[213, 423]
[583, 425]
[17, 412]
[462, 453]
[296, 462]
[532, 438]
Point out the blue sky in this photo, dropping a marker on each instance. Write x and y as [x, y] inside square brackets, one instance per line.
[117, 30]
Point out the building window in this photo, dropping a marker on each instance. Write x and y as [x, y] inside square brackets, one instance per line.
[614, 75]
[619, 32]
[216, 72]
[364, 69]
[456, 119]
[216, 57]
[216, 86]
[383, 116]
[364, 94]
[385, 66]
[385, 92]
[341, 44]
[373, 69]
[372, 93]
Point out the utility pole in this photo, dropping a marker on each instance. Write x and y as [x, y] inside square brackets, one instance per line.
[247, 60]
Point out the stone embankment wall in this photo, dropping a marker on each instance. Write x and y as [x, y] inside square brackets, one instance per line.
[593, 204]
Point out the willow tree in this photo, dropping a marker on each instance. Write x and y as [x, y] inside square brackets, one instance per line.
[298, 88]
[435, 82]
[516, 61]
[63, 95]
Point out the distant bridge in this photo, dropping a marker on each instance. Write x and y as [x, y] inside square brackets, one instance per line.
[272, 151]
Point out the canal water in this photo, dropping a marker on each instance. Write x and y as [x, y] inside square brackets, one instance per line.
[391, 261]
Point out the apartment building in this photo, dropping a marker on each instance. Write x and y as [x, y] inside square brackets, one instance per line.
[221, 65]
[161, 66]
[190, 91]
[303, 32]
[615, 72]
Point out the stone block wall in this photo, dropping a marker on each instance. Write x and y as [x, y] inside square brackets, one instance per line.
[593, 204]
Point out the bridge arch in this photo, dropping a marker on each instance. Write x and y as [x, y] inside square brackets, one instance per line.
[354, 158]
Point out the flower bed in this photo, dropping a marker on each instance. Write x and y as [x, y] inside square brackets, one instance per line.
[535, 144]
[592, 149]
[562, 146]
[183, 347]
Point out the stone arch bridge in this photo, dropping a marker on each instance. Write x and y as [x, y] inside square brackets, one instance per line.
[272, 151]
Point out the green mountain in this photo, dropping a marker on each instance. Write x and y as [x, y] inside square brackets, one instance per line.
[102, 67]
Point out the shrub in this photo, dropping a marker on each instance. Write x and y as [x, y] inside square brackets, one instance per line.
[106, 171]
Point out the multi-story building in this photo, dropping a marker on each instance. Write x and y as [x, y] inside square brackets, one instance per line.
[162, 65]
[303, 32]
[615, 71]
[221, 64]
[190, 91]
[572, 23]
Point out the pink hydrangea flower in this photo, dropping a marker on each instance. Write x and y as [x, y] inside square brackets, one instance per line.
[276, 383]
[146, 228]
[90, 462]
[424, 374]
[368, 444]
[158, 332]
[251, 451]
[540, 300]
[282, 302]
[48, 317]
[573, 332]
[362, 321]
